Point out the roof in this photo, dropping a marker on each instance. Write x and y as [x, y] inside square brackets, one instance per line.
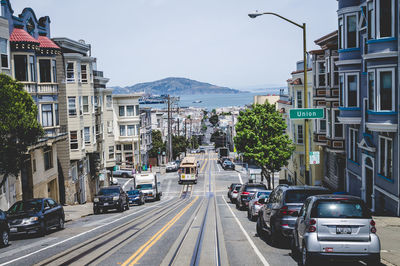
[300, 71]
[188, 160]
[45, 42]
[336, 197]
[20, 35]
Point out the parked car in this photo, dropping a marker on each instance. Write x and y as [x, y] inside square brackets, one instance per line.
[275, 216]
[171, 167]
[227, 164]
[112, 197]
[223, 159]
[136, 196]
[4, 230]
[124, 173]
[202, 150]
[255, 205]
[37, 215]
[335, 226]
[235, 193]
[230, 189]
[245, 193]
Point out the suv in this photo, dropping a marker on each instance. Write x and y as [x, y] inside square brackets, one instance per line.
[275, 216]
[246, 192]
[113, 197]
[335, 226]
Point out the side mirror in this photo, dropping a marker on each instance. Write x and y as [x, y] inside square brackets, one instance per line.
[295, 214]
[262, 201]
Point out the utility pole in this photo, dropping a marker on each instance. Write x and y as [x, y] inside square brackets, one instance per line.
[169, 131]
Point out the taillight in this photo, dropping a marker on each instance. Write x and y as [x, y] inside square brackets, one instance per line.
[257, 203]
[245, 193]
[373, 228]
[372, 223]
[235, 192]
[312, 222]
[285, 211]
[311, 227]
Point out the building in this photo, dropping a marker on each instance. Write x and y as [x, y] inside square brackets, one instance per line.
[126, 127]
[262, 99]
[36, 62]
[329, 132]
[369, 100]
[145, 135]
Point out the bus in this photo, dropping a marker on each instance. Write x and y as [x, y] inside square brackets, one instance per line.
[188, 170]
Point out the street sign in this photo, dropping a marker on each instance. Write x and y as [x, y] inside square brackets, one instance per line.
[312, 113]
[314, 157]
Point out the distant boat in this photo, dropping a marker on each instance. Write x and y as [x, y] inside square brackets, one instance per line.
[198, 101]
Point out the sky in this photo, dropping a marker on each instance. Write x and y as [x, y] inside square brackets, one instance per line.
[211, 41]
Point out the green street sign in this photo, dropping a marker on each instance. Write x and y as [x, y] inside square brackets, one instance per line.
[313, 113]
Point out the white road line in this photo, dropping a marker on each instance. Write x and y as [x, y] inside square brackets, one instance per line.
[240, 178]
[81, 234]
[219, 169]
[126, 183]
[256, 250]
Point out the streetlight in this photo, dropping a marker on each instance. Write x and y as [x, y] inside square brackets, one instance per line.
[303, 27]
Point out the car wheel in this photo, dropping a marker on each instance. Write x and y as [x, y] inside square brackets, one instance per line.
[274, 237]
[248, 214]
[376, 260]
[127, 205]
[294, 249]
[43, 229]
[124, 175]
[60, 223]
[306, 258]
[121, 208]
[5, 238]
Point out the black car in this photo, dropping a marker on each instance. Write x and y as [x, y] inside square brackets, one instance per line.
[135, 197]
[38, 215]
[4, 229]
[113, 197]
[245, 193]
[276, 215]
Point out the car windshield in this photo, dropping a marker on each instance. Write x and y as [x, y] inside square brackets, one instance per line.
[227, 162]
[237, 188]
[133, 192]
[24, 206]
[340, 209]
[263, 194]
[108, 191]
[144, 186]
[299, 196]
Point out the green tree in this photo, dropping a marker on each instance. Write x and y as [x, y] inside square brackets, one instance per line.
[194, 142]
[179, 144]
[261, 138]
[219, 138]
[19, 127]
[157, 143]
[213, 119]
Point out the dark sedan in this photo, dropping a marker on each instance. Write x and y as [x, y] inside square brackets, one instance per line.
[4, 229]
[38, 215]
[135, 197]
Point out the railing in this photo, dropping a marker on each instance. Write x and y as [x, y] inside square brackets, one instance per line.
[30, 87]
[47, 88]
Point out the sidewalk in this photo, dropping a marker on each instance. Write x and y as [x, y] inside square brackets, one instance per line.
[388, 230]
[74, 212]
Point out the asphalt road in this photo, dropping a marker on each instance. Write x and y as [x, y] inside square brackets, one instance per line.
[191, 225]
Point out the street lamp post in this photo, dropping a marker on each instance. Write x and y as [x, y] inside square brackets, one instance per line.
[306, 122]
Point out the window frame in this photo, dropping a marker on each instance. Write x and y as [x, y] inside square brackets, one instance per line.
[110, 152]
[341, 86]
[353, 141]
[73, 141]
[85, 105]
[6, 54]
[49, 115]
[378, 22]
[121, 108]
[385, 167]
[48, 158]
[319, 73]
[26, 79]
[298, 135]
[374, 89]
[69, 71]
[84, 73]
[345, 30]
[371, 29]
[299, 92]
[341, 32]
[334, 123]
[45, 69]
[74, 113]
[378, 89]
[122, 129]
[86, 131]
[109, 101]
[347, 89]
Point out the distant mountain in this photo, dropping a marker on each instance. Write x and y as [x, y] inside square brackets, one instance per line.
[174, 86]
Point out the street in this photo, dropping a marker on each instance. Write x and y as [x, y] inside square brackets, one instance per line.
[191, 225]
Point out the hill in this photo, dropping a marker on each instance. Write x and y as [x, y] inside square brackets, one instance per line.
[174, 86]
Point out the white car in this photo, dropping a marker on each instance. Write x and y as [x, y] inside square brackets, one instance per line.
[171, 166]
[235, 193]
[254, 205]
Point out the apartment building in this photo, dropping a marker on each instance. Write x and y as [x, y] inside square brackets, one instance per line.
[369, 100]
[145, 134]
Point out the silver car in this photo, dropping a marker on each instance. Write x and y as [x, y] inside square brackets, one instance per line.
[335, 226]
[235, 193]
[254, 205]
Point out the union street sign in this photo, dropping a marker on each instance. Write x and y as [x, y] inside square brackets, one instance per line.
[313, 113]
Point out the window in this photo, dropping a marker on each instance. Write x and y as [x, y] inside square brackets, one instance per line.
[353, 138]
[321, 74]
[109, 127]
[87, 135]
[85, 104]
[122, 130]
[386, 157]
[329, 122]
[299, 99]
[111, 152]
[129, 110]
[33, 162]
[70, 72]
[386, 98]
[45, 70]
[122, 111]
[73, 140]
[338, 127]
[351, 31]
[54, 69]
[4, 52]
[84, 75]
[299, 134]
[371, 90]
[48, 158]
[335, 72]
[131, 129]
[20, 65]
[109, 101]
[47, 115]
[32, 68]
[72, 106]
[386, 18]
[352, 90]
[371, 20]
[341, 90]
[80, 105]
[363, 22]
[96, 103]
[340, 34]
[118, 147]
[322, 125]
[56, 114]
[127, 147]
[137, 110]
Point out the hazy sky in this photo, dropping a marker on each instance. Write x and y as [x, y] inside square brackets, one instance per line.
[207, 40]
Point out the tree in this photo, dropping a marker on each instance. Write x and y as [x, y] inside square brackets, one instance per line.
[19, 127]
[261, 138]
[194, 142]
[213, 119]
[179, 144]
[219, 138]
[157, 143]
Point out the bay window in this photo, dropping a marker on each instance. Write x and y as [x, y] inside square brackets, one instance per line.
[54, 69]
[329, 123]
[32, 68]
[371, 90]
[110, 152]
[321, 74]
[385, 90]
[386, 157]
[47, 115]
[45, 70]
[338, 127]
[56, 114]
[353, 138]
[341, 90]
[385, 18]
[335, 72]
[351, 31]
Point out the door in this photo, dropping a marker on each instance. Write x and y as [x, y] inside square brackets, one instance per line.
[368, 181]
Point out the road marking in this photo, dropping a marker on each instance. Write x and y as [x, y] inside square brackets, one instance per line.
[240, 178]
[134, 259]
[81, 234]
[219, 169]
[126, 183]
[256, 250]
[204, 164]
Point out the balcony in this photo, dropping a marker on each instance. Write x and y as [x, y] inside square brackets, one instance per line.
[47, 88]
[30, 87]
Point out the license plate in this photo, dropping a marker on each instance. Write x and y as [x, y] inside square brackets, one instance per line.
[13, 230]
[343, 230]
[105, 203]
